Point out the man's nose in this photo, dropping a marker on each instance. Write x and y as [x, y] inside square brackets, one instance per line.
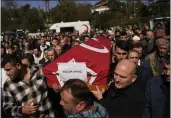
[168, 72]
[116, 77]
[7, 73]
[61, 103]
[121, 56]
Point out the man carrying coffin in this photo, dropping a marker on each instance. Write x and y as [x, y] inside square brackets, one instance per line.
[25, 92]
[124, 98]
[78, 101]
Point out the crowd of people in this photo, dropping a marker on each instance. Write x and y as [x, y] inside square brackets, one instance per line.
[138, 83]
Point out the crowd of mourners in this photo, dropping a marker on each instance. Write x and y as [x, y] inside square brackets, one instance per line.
[138, 83]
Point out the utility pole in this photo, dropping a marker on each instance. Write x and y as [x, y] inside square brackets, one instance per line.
[48, 14]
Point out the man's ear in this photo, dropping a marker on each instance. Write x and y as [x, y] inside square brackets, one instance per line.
[81, 106]
[18, 66]
[134, 78]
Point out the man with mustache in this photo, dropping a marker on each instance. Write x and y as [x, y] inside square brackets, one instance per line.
[158, 57]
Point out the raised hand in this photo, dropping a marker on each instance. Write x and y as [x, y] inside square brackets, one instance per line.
[97, 93]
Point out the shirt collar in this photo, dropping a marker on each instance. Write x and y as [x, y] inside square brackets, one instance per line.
[85, 114]
[139, 62]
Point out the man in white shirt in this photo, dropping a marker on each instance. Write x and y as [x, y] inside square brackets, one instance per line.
[38, 55]
[43, 45]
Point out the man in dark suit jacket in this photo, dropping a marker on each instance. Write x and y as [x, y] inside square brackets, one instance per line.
[124, 98]
[158, 95]
[144, 72]
[151, 46]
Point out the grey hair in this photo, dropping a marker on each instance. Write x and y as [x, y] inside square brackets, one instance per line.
[162, 41]
[52, 49]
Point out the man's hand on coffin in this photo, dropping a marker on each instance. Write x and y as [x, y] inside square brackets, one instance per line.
[97, 93]
[56, 87]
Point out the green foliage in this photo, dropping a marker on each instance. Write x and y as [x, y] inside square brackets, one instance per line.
[120, 13]
[22, 18]
[68, 11]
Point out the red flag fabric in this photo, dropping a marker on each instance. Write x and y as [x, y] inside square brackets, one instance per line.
[95, 52]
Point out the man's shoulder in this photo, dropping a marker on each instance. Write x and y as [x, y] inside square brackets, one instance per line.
[37, 71]
[151, 56]
[101, 110]
[9, 84]
[145, 63]
[8, 81]
[99, 106]
[155, 81]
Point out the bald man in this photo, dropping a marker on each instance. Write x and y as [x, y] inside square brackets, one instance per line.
[124, 74]
[124, 98]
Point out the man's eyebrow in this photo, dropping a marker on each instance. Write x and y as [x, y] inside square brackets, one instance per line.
[7, 69]
[64, 100]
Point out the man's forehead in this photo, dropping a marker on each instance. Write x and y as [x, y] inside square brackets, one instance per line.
[122, 71]
[66, 94]
[133, 53]
[120, 50]
[8, 65]
[35, 49]
[58, 48]
[123, 36]
[51, 51]
[163, 46]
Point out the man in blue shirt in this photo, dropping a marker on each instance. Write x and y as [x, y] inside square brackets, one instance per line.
[78, 101]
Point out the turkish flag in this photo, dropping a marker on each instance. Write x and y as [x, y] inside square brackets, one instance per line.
[95, 52]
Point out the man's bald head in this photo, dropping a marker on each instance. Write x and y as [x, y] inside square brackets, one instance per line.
[128, 65]
[124, 74]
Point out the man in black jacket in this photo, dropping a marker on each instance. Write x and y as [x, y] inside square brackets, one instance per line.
[158, 95]
[124, 98]
[120, 51]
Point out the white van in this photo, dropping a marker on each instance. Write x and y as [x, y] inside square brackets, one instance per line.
[80, 26]
[164, 21]
[154, 21]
